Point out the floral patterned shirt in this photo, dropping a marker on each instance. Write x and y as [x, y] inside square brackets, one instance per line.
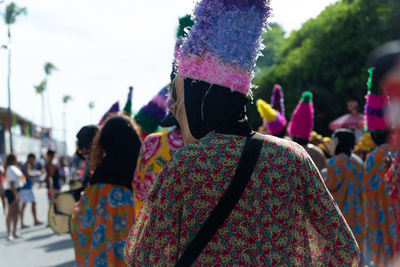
[155, 151]
[285, 217]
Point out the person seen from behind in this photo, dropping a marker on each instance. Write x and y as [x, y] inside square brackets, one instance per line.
[14, 180]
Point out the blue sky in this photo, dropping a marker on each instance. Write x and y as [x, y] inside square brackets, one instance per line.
[102, 47]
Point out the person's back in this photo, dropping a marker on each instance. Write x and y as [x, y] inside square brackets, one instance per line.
[380, 207]
[286, 216]
[345, 182]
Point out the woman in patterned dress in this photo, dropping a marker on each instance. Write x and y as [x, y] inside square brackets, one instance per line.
[345, 181]
[156, 151]
[102, 218]
[286, 216]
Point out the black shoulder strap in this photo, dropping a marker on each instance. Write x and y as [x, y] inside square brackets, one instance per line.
[247, 162]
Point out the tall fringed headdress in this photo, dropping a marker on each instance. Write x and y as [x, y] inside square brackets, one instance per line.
[225, 42]
[277, 99]
[128, 105]
[375, 106]
[185, 25]
[114, 109]
[150, 115]
[302, 122]
[273, 120]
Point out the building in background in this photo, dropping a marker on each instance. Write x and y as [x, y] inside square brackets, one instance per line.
[27, 137]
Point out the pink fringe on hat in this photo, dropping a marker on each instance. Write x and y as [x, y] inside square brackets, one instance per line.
[302, 122]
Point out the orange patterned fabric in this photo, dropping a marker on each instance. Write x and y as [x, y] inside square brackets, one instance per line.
[345, 182]
[100, 225]
[380, 216]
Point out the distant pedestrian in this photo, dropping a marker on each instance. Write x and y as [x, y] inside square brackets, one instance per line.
[14, 181]
[26, 193]
[2, 193]
[53, 176]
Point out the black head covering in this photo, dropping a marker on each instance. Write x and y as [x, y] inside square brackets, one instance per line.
[300, 141]
[121, 145]
[85, 137]
[380, 137]
[347, 141]
[169, 121]
[211, 107]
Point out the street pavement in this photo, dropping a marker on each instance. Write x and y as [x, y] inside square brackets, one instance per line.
[39, 246]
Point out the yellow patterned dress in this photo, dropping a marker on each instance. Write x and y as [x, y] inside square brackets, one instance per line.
[156, 150]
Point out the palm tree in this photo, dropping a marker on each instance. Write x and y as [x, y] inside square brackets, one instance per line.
[49, 68]
[65, 100]
[10, 17]
[40, 88]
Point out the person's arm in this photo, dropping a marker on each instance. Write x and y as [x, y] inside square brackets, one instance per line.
[328, 233]
[51, 170]
[30, 173]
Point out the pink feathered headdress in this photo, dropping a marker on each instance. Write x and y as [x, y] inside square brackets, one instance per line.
[302, 122]
[225, 42]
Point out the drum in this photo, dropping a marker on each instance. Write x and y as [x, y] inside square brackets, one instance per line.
[60, 212]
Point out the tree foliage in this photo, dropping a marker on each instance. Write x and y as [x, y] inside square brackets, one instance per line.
[41, 87]
[66, 99]
[328, 56]
[12, 12]
[49, 68]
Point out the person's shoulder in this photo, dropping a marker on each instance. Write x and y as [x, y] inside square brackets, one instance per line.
[274, 144]
[356, 159]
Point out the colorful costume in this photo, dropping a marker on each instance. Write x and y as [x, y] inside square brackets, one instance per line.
[150, 115]
[273, 120]
[100, 225]
[290, 217]
[285, 216]
[345, 182]
[301, 126]
[393, 181]
[380, 207]
[114, 109]
[101, 219]
[156, 150]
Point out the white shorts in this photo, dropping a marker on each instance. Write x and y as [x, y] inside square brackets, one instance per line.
[26, 196]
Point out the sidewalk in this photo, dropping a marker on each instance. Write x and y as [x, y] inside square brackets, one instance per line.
[39, 247]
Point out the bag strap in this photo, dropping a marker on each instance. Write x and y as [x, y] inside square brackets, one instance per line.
[247, 163]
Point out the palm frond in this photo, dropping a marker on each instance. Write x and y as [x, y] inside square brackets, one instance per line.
[41, 87]
[12, 12]
[49, 68]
